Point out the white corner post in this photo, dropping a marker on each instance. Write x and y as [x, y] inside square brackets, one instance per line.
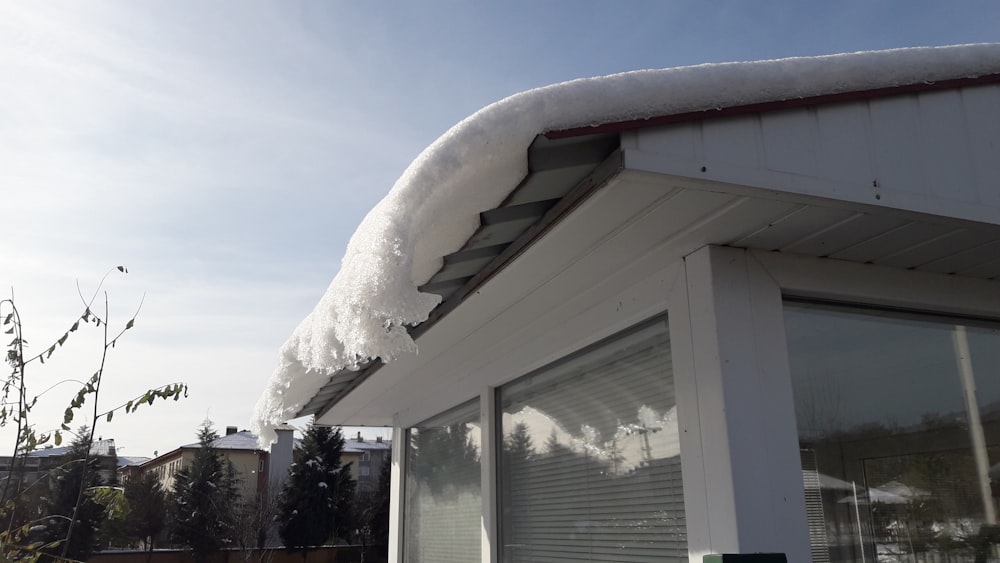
[488, 465]
[740, 462]
[396, 485]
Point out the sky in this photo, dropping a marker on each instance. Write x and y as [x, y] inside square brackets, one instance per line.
[225, 152]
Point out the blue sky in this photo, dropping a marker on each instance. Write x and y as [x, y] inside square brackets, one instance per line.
[226, 151]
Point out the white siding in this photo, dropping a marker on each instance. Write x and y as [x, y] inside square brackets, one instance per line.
[934, 152]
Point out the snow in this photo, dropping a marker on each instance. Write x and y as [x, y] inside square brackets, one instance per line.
[434, 206]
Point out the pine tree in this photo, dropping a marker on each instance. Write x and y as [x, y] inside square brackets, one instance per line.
[65, 483]
[378, 517]
[317, 497]
[203, 495]
[148, 506]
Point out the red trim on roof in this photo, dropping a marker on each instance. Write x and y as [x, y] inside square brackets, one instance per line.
[714, 113]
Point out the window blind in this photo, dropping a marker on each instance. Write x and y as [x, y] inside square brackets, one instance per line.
[590, 465]
[443, 489]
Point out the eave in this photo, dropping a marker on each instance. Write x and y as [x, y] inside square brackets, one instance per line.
[567, 167]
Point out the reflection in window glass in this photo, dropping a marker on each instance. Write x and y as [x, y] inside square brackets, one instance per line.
[590, 464]
[899, 428]
[442, 491]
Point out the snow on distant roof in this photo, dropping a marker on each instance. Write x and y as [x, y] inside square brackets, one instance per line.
[242, 440]
[50, 452]
[126, 461]
[434, 206]
[98, 447]
[367, 445]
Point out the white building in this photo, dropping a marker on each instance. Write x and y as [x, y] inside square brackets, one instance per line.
[719, 310]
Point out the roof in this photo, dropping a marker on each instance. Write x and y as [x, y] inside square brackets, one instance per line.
[355, 446]
[126, 461]
[99, 447]
[469, 202]
[242, 440]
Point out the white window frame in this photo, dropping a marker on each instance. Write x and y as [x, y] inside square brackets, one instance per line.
[734, 393]
[742, 479]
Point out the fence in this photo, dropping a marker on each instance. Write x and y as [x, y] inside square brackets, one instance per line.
[327, 554]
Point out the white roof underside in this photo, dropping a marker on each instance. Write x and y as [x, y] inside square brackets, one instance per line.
[435, 206]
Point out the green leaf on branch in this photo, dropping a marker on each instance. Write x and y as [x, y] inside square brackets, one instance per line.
[112, 499]
[58, 438]
[129, 324]
[110, 414]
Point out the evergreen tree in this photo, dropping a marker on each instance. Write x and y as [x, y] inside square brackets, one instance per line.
[203, 496]
[147, 510]
[317, 497]
[66, 482]
[378, 517]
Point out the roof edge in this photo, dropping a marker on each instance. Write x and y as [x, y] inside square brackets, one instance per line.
[760, 107]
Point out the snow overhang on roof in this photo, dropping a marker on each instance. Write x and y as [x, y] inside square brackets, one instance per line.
[454, 216]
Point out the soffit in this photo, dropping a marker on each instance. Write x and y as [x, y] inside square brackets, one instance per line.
[640, 224]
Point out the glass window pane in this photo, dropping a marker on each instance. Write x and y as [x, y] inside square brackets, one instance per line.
[899, 425]
[442, 491]
[590, 464]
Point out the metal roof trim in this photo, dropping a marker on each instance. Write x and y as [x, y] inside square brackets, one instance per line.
[716, 113]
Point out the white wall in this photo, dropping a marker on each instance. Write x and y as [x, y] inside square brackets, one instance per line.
[934, 152]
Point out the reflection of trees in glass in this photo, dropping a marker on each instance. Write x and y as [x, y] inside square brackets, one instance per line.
[930, 502]
[443, 489]
[917, 488]
[629, 447]
[561, 494]
[518, 448]
[444, 456]
[818, 408]
[553, 446]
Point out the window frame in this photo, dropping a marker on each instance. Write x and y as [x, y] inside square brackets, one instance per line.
[879, 290]
[756, 291]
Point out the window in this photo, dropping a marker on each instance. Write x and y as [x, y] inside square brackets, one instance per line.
[590, 465]
[366, 456]
[364, 471]
[899, 428]
[443, 488]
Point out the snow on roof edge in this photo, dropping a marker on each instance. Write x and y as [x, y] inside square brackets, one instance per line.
[433, 208]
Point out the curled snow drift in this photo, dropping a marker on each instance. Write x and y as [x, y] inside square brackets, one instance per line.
[434, 207]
